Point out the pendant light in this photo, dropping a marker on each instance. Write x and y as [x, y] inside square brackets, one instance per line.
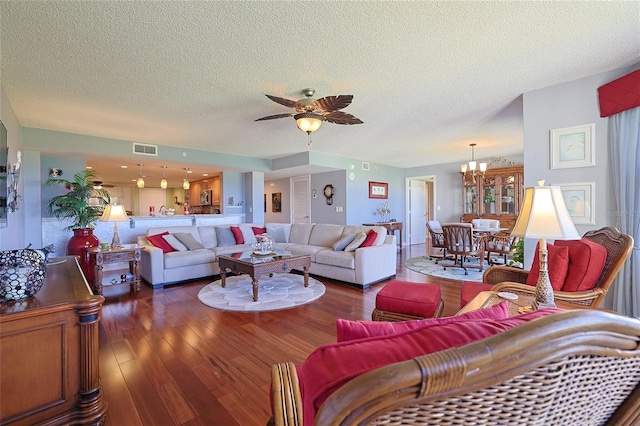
[185, 183]
[163, 182]
[140, 180]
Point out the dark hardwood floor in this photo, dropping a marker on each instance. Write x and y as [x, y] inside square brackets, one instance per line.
[167, 359]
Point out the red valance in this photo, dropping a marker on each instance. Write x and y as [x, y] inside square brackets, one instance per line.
[620, 95]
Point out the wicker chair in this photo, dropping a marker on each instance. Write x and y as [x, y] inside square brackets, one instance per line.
[618, 247]
[571, 368]
[437, 239]
[501, 243]
[461, 242]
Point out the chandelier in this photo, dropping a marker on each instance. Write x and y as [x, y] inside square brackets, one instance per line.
[473, 165]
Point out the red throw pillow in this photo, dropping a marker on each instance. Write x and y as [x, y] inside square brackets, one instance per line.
[351, 330]
[329, 367]
[160, 242]
[237, 234]
[557, 265]
[259, 231]
[371, 238]
[586, 261]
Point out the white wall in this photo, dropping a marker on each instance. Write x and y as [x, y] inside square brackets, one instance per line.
[565, 105]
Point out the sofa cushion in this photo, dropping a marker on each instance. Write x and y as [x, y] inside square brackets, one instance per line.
[208, 236]
[300, 233]
[259, 231]
[247, 233]
[160, 242]
[371, 238]
[586, 261]
[557, 265]
[179, 259]
[351, 330]
[174, 242]
[357, 241]
[356, 229]
[188, 240]
[331, 366]
[237, 234]
[276, 232]
[225, 236]
[325, 234]
[340, 259]
[343, 242]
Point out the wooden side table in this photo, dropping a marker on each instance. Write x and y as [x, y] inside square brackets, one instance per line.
[392, 227]
[129, 253]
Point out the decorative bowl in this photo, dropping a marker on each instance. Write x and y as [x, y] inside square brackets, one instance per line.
[262, 244]
[22, 273]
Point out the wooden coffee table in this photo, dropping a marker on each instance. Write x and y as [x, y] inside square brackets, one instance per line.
[486, 299]
[256, 266]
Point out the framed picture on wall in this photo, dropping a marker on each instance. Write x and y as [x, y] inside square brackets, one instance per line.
[579, 200]
[378, 190]
[573, 147]
[276, 202]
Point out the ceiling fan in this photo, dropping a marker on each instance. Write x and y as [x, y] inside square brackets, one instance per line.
[98, 184]
[309, 113]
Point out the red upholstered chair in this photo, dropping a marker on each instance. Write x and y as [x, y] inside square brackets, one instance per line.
[618, 248]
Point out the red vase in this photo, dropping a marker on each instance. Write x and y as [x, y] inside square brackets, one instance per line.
[77, 246]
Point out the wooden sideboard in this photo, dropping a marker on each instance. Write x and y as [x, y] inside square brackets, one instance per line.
[496, 195]
[49, 372]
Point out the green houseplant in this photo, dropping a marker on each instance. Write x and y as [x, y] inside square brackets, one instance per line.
[74, 205]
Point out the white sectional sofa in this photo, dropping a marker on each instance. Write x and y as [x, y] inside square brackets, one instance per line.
[362, 267]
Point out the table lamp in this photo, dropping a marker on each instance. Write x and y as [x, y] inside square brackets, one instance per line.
[114, 213]
[544, 215]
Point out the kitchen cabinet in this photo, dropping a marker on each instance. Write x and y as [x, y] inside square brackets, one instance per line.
[194, 193]
[216, 190]
[496, 195]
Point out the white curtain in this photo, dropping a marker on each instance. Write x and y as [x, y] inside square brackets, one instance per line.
[624, 130]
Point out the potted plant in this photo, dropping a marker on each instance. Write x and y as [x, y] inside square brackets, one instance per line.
[518, 254]
[75, 205]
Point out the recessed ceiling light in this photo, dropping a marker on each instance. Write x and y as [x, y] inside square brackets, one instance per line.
[88, 167]
[124, 167]
[189, 171]
[205, 174]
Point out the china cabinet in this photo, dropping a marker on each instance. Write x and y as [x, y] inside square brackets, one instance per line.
[496, 195]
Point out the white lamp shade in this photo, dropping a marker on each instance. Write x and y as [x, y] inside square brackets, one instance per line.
[544, 215]
[463, 168]
[114, 213]
[483, 167]
[308, 121]
[186, 184]
[163, 183]
[472, 165]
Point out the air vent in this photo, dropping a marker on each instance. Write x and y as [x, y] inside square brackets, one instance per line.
[366, 166]
[145, 149]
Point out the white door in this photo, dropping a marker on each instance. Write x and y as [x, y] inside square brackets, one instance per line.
[301, 204]
[417, 212]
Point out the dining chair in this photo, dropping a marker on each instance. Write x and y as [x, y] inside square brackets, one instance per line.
[437, 239]
[502, 244]
[461, 242]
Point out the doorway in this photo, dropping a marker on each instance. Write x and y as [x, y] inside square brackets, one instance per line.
[421, 195]
[301, 204]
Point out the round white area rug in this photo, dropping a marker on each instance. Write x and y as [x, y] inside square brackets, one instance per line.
[426, 266]
[282, 291]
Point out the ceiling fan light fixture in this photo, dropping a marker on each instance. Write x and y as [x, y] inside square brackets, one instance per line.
[308, 122]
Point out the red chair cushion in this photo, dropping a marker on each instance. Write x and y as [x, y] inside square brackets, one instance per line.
[331, 366]
[586, 261]
[352, 330]
[557, 265]
[160, 242]
[409, 298]
[371, 238]
[471, 289]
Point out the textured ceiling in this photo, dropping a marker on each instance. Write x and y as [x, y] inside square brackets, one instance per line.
[428, 78]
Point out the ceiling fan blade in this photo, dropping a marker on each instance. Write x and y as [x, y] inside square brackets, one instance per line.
[273, 117]
[339, 117]
[334, 103]
[286, 102]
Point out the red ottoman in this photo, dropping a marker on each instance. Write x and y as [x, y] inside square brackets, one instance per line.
[404, 301]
